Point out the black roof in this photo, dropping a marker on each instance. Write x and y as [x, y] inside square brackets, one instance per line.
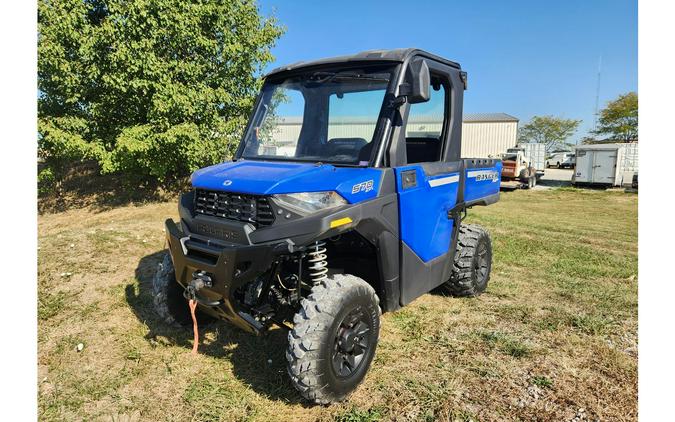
[395, 55]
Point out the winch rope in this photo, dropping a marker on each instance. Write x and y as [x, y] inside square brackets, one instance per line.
[193, 307]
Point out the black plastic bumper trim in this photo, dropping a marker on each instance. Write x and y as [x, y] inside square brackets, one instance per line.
[230, 267]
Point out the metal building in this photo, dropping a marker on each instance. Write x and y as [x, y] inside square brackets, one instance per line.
[483, 134]
[488, 134]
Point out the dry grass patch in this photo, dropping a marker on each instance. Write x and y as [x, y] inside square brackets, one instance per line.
[553, 338]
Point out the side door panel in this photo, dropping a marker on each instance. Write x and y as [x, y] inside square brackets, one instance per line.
[429, 176]
[423, 209]
[426, 228]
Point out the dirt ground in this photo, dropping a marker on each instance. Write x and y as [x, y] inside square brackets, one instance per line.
[553, 338]
[553, 176]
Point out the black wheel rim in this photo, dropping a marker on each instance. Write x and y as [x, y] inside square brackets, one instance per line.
[482, 262]
[352, 342]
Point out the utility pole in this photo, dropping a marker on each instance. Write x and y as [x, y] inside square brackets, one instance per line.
[597, 95]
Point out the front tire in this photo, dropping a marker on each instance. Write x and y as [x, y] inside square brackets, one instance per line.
[524, 176]
[334, 337]
[168, 300]
[473, 262]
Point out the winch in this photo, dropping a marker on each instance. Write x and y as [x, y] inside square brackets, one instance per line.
[200, 279]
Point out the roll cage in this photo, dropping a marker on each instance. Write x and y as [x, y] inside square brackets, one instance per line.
[389, 140]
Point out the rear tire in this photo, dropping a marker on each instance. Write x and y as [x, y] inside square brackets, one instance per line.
[523, 175]
[168, 300]
[473, 262]
[333, 340]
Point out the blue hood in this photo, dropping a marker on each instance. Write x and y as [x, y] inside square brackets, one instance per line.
[355, 184]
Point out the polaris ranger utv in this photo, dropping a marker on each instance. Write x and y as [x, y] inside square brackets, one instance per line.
[344, 199]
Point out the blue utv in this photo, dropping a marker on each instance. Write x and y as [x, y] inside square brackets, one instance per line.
[344, 199]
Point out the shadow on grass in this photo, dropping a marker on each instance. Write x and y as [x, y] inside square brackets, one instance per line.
[258, 361]
[554, 183]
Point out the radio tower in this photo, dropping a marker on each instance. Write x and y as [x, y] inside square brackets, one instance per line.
[597, 95]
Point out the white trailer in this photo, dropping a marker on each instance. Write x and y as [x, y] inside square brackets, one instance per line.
[536, 154]
[599, 164]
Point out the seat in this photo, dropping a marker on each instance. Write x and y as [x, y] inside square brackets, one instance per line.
[345, 146]
[422, 149]
[364, 153]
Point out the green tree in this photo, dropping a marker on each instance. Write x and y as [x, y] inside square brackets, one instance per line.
[618, 121]
[153, 89]
[550, 130]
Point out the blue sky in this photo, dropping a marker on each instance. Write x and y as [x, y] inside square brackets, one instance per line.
[524, 58]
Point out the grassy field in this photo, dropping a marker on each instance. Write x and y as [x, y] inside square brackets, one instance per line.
[553, 338]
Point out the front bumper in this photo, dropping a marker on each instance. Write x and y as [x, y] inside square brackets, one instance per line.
[229, 265]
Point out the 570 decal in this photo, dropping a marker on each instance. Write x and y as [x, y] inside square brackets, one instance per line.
[366, 186]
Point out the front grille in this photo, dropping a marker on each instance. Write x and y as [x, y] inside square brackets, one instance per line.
[252, 209]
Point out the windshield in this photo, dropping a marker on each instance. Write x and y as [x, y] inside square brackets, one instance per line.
[318, 116]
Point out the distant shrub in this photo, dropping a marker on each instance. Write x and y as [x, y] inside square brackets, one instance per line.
[46, 181]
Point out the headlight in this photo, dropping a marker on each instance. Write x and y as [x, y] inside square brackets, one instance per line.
[309, 202]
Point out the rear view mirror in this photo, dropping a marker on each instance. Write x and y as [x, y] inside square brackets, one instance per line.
[419, 82]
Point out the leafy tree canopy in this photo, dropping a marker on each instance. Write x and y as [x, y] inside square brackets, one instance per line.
[549, 130]
[618, 121]
[149, 88]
